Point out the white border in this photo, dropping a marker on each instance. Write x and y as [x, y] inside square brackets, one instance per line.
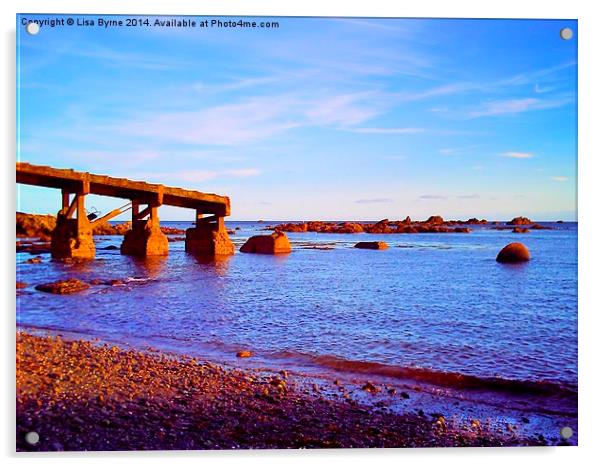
[590, 152]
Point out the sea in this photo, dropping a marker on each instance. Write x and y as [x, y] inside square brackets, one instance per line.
[434, 312]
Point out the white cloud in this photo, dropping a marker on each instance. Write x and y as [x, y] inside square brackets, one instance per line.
[515, 106]
[559, 178]
[518, 155]
[255, 119]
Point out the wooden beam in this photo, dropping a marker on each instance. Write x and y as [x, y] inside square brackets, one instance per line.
[72, 207]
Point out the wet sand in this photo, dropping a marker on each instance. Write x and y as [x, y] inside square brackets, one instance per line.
[80, 396]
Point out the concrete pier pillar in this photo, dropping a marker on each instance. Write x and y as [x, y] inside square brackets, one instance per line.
[145, 238]
[209, 237]
[72, 237]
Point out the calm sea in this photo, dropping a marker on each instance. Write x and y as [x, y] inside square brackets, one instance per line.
[435, 308]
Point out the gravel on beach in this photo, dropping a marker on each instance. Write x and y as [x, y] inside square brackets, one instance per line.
[78, 395]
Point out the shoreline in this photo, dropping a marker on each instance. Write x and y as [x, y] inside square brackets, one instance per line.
[95, 396]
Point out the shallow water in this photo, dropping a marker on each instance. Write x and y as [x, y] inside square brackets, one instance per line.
[437, 308]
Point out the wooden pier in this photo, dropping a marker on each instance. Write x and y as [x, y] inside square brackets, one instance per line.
[72, 237]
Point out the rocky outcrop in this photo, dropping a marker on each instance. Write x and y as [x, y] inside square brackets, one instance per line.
[107, 229]
[520, 221]
[379, 245]
[63, 286]
[513, 253]
[41, 226]
[435, 220]
[434, 224]
[30, 225]
[276, 243]
[520, 230]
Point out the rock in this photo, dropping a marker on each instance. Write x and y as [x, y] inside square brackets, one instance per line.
[172, 231]
[110, 282]
[435, 220]
[519, 221]
[461, 230]
[34, 260]
[63, 286]
[107, 229]
[370, 388]
[32, 225]
[513, 253]
[520, 230]
[244, 354]
[112, 247]
[33, 247]
[371, 245]
[537, 226]
[475, 221]
[405, 395]
[21, 285]
[276, 243]
[379, 227]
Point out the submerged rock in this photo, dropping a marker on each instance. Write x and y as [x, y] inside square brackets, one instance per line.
[21, 285]
[244, 354]
[276, 243]
[513, 253]
[72, 285]
[520, 230]
[371, 245]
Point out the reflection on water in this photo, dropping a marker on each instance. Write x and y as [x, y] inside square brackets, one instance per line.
[151, 267]
[218, 263]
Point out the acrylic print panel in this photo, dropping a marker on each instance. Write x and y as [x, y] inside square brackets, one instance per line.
[295, 232]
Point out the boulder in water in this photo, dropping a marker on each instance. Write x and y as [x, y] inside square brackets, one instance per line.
[513, 253]
[72, 285]
[276, 243]
[371, 245]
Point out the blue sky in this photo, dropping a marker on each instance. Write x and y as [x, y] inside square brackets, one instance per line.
[321, 118]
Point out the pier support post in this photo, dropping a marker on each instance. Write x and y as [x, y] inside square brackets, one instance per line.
[145, 238]
[208, 237]
[72, 237]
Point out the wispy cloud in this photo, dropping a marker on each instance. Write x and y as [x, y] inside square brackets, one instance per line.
[195, 176]
[388, 130]
[448, 151]
[469, 196]
[518, 155]
[559, 178]
[432, 197]
[516, 106]
[254, 119]
[383, 200]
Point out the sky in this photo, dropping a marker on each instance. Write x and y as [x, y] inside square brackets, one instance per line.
[319, 118]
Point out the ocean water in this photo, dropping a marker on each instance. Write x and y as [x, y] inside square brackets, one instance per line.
[434, 308]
